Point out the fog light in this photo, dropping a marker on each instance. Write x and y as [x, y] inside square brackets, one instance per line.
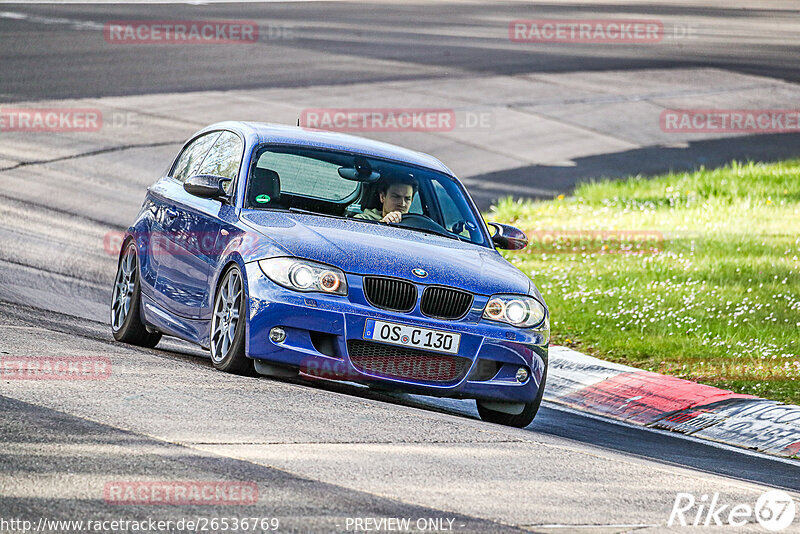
[277, 334]
[522, 375]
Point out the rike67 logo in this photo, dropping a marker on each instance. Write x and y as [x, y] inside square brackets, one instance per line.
[774, 510]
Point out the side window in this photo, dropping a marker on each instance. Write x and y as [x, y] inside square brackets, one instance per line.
[416, 204]
[450, 211]
[224, 158]
[192, 156]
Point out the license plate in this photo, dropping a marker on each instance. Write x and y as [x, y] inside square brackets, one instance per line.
[412, 336]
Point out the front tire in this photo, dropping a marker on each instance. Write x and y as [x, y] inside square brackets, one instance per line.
[520, 420]
[126, 321]
[228, 326]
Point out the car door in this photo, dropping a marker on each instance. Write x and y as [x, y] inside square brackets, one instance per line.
[161, 204]
[183, 275]
[168, 218]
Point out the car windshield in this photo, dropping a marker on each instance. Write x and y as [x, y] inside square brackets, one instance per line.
[364, 188]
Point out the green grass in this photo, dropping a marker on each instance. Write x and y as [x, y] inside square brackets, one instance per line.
[713, 296]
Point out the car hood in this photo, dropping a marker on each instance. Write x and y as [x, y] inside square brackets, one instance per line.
[376, 249]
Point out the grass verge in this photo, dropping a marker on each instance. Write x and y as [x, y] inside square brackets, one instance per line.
[695, 275]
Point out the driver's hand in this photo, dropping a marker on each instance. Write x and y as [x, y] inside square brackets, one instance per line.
[394, 217]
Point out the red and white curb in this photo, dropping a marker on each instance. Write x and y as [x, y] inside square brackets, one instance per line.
[659, 401]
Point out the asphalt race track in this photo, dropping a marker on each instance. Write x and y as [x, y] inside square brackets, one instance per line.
[441, 39]
[322, 454]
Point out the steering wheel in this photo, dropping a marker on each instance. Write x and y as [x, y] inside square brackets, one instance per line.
[423, 222]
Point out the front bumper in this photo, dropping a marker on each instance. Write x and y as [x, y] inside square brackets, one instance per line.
[318, 328]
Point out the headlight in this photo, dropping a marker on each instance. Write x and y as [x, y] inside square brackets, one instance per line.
[305, 275]
[515, 310]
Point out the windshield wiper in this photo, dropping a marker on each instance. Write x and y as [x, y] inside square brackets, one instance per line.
[300, 210]
[423, 230]
[318, 214]
[429, 231]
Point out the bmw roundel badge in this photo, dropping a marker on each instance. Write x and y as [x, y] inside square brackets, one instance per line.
[421, 273]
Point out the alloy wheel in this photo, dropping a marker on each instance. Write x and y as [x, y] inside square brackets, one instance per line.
[124, 286]
[226, 315]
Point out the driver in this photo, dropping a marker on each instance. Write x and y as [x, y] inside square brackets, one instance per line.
[396, 196]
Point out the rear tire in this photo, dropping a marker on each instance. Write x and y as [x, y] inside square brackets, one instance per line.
[228, 326]
[126, 318]
[520, 420]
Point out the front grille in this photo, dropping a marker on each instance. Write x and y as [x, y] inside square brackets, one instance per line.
[390, 294]
[401, 362]
[445, 303]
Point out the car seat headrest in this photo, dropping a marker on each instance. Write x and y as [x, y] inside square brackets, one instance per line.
[264, 188]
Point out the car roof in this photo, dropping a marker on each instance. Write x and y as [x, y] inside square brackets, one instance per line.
[263, 132]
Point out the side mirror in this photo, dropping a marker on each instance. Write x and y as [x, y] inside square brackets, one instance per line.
[508, 237]
[206, 186]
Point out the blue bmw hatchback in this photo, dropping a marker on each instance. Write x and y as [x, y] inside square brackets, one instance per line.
[288, 251]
